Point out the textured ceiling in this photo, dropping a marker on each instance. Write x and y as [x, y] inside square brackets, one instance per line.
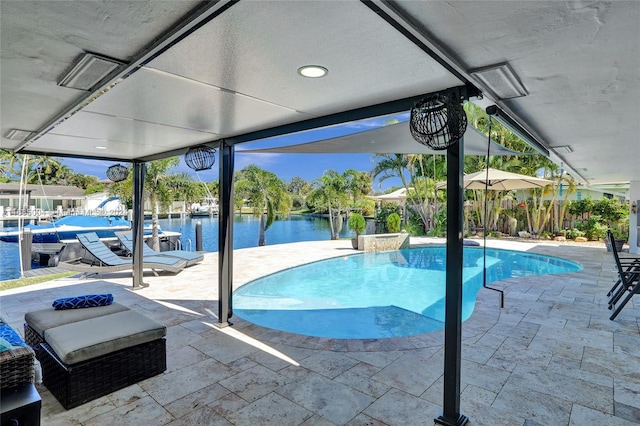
[196, 72]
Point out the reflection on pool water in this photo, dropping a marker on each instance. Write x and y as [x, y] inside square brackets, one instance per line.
[375, 295]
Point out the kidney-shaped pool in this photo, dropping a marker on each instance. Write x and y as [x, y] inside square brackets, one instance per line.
[377, 295]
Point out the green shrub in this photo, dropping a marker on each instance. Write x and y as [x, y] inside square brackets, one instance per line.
[439, 224]
[393, 223]
[593, 229]
[580, 207]
[574, 233]
[357, 223]
[414, 224]
[545, 235]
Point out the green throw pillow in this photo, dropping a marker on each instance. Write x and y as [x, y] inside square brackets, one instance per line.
[4, 345]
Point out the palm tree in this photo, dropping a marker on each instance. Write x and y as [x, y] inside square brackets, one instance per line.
[44, 170]
[358, 184]
[331, 192]
[265, 193]
[9, 165]
[183, 187]
[389, 166]
[160, 194]
[420, 187]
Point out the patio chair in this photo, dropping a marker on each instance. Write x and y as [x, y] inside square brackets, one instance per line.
[630, 264]
[628, 281]
[102, 259]
[191, 258]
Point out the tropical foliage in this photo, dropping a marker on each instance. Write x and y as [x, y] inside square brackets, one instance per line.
[339, 195]
[44, 170]
[265, 193]
[336, 194]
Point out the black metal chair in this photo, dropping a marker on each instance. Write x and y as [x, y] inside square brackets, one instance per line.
[628, 263]
[628, 280]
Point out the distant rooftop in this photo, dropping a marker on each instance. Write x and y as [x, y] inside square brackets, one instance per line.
[43, 191]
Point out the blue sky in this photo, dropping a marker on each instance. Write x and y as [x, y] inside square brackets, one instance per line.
[285, 166]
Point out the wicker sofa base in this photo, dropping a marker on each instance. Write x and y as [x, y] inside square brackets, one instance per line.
[76, 384]
[32, 339]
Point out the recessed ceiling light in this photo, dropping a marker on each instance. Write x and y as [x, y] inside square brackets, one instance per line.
[100, 147]
[313, 71]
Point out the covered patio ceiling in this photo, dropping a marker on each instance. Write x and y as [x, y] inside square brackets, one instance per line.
[197, 72]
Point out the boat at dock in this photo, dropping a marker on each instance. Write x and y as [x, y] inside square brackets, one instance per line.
[67, 227]
[56, 241]
[208, 207]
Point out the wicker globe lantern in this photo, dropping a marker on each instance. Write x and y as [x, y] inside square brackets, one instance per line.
[117, 173]
[438, 121]
[200, 158]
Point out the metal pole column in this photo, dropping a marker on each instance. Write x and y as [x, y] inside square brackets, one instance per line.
[225, 235]
[453, 298]
[139, 170]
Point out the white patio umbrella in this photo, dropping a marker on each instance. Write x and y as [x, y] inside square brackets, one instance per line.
[500, 181]
[398, 196]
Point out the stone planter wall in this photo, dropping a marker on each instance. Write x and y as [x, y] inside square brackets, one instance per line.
[383, 242]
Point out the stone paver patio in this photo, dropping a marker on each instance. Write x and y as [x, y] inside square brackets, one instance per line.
[549, 357]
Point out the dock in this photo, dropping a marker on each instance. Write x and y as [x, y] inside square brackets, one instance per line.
[40, 272]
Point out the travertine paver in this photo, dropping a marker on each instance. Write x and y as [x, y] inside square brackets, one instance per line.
[254, 383]
[272, 409]
[549, 357]
[196, 400]
[334, 401]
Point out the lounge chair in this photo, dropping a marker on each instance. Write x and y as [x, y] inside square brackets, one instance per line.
[102, 259]
[628, 280]
[190, 257]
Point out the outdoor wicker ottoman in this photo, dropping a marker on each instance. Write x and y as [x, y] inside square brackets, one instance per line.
[93, 357]
[37, 322]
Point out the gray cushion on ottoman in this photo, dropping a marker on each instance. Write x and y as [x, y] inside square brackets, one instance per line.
[96, 337]
[45, 319]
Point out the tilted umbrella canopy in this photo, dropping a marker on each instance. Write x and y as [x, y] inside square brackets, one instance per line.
[392, 138]
[499, 180]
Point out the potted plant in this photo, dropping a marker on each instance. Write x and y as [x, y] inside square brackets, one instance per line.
[358, 225]
[620, 236]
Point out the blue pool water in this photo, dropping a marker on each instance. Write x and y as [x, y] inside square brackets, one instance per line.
[376, 295]
[245, 234]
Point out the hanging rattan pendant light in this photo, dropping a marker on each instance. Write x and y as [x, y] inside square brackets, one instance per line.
[200, 158]
[438, 121]
[117, 173]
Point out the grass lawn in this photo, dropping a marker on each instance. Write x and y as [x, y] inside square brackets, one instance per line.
[22, 282]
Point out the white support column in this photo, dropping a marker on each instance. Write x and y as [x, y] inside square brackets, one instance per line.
[634, 218]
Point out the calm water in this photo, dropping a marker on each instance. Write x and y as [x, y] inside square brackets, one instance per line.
[245, 234]
[376, 295]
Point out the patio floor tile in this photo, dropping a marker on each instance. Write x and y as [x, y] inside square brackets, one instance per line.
[549, 357]
[334, 401]
[271, 409]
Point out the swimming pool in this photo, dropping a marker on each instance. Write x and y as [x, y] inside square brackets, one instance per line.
[376, 295]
